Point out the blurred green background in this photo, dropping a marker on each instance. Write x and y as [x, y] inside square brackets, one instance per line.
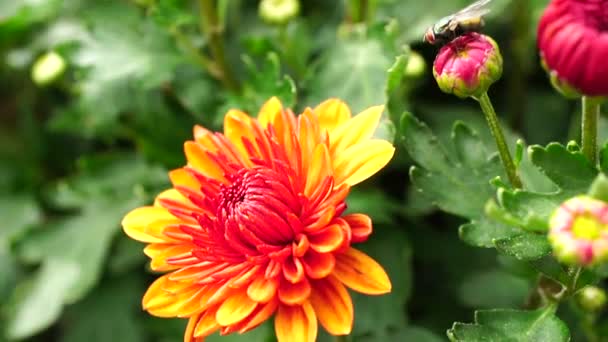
[82, 144]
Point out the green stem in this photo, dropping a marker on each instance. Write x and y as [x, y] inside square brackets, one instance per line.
[591, 115]
[588, 327]
[501, 144]
[520, 61]
[196, 55]
[341, 338]
[363, 8]
[213, 31]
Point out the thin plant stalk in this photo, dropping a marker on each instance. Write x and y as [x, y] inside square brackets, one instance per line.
[213, 31]
[501, 144]
[591, 115]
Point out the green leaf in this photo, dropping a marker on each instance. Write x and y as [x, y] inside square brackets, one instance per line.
[375, 203]
[38, 302]
[483, 232]
[115, 62]
[599, 188]
[377, 314]
[18, 212]
[93, 228]
[103, 192]
[407, 333]
[512, 325]
[126, 256]
[493, 288]
[262, 83]
[20, 15]
[354, 70]
[8, 269]
[109, 313]
[394, 89]
[568, 170]
[448, 178]
[526, 246]
[571, 171]
[171, 13]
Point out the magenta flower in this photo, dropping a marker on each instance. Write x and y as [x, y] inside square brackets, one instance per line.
[573, 42]
[579, 231]
[468, 65]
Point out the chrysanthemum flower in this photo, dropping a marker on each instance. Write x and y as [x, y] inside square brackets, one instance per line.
[254, 225]
[468, 65]
[579, 231]
[573, 41]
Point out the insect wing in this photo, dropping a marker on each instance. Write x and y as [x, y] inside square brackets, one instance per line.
[474, 10]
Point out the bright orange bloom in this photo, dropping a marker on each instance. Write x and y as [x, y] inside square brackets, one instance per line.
[254, 226]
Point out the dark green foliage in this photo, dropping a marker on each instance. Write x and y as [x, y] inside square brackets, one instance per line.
[78, 153]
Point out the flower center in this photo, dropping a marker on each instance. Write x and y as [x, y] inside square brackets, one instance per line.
[587, 226]
[258, 207]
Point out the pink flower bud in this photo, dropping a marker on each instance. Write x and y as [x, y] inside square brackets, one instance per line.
[573, 42]
[579, 231]
[468, 65]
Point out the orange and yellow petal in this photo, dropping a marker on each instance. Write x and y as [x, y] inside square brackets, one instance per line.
[239, 129]
[332, 113]
[333, 306]
[361, 273]
[165, 298]
[360, 226]
[160, 253]
[297, 323]
[361, 161]
[205, 325]
[270, 111]
[263, 289]
[235, 308]
[182, 178]
[356, 130]
[200, 160]
[294, 293]
[147, 224]
[318, 265]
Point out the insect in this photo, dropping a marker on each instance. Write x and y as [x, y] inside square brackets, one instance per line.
[468, 19]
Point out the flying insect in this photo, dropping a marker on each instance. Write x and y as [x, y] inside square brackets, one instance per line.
[468, 19]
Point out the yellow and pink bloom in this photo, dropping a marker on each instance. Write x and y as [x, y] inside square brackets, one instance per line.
[579, 231]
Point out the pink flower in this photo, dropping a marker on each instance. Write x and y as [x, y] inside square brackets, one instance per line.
[468, 65]
[573, 42]
[579, 231]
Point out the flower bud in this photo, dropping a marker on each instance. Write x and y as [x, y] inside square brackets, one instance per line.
[571, 39]
[468, 65]
[48, 68]
[279, 11]
[591, 298]
[579, 231]
[416, 65]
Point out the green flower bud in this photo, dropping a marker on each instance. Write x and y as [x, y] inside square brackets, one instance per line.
[278, 11]
[591, 298]
[416, 65]
[48, 68]
[468, 65]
